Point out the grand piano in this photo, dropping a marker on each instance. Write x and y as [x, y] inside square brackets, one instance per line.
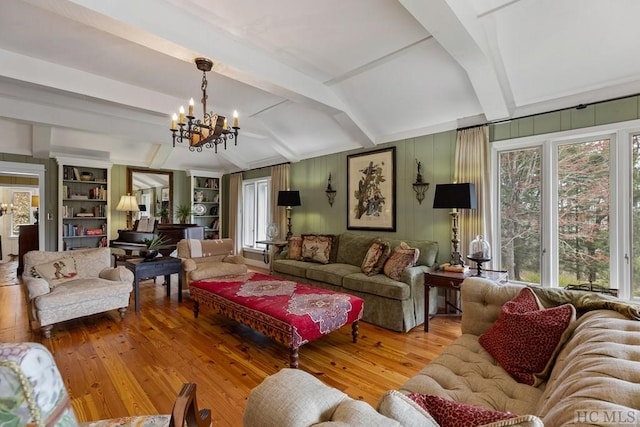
[146, 228]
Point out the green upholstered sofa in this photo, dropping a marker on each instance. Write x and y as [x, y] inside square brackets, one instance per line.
[392, 304]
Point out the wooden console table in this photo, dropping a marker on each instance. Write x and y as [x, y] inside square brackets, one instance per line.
[161, 266]
[451, 280]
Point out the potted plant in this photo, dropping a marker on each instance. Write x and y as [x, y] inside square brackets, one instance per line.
[164, 215]
[183, 213]
[153, 246]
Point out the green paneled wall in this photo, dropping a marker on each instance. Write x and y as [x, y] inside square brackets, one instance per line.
[618, 110]
[413, 220]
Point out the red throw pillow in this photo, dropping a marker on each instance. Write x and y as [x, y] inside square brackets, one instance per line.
[526, 337]
[449, 413]
[375, 258]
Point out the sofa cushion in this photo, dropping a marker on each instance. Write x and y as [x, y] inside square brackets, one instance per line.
[57, 271]
[76, 291]
[526, 337]
[330, 273]
[217, 269]
[290, 267]
[295, 248]
[377, 285]
[353, 247]
[449, 413]
[402, 257]
[465, 372]
[376, 257]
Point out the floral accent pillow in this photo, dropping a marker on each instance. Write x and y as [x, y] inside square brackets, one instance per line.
[526, 337]
[316, 248]
[375, 258]
[402, 257]
[56, 272]
[295, 248]
[449, 413]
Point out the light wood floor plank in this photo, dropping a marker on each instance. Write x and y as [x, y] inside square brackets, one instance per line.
[137, 365]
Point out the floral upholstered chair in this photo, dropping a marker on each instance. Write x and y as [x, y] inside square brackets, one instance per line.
[32, 393]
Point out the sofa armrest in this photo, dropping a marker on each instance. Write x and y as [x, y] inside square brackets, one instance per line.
[117, 274]
[189, 264]
[234, 259]
[36, 287]
[293, 397]
[414, 277]
[482, 300]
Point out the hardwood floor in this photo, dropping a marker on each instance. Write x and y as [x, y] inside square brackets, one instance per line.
[137, 365]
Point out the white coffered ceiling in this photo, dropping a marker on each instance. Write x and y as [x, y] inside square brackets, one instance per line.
[102, 78]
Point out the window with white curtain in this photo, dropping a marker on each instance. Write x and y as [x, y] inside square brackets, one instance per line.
[255, 211]
[568, 208]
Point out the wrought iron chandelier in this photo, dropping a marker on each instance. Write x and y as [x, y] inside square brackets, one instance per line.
[209, 132]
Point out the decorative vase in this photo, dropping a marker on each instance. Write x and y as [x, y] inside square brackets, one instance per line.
[149, 254]
[273, 231]
[198, 196]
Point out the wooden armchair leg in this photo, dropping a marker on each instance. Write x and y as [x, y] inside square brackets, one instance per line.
[186, 409]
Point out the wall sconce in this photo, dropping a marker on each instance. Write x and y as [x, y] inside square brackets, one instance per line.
[331, 193]
[420, 187]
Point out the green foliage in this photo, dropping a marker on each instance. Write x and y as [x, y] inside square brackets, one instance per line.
[156, 242]
[183, 212]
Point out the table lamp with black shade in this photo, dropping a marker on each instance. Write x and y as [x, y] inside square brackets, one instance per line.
[289, 199]
[454, 197]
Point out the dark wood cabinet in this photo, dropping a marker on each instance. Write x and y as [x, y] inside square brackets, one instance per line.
[27, 241]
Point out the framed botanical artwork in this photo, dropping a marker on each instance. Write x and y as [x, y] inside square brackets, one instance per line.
[371, 190]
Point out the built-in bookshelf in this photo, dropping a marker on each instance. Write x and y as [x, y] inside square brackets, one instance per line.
[206, 202]
[83, 205]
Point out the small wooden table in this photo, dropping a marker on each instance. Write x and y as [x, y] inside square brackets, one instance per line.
[452, 280]
[161, 266]
[266, 254]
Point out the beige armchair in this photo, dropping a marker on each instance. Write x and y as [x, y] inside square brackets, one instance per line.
[61, 286]
[204, 259]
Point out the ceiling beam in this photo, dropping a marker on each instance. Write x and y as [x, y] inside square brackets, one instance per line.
[453, 24]
[177, 33]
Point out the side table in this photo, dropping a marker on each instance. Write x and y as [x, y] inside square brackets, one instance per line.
[266, 254]
[161, 266]
[452, 280]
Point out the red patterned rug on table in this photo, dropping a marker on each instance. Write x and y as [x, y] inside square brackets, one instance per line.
[288, 312]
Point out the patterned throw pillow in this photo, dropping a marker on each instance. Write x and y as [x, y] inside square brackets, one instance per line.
[526, 337]
[58, 271]
[375, 258]
[402, 257]
[449, 413]
[316, 248]
[295, 248]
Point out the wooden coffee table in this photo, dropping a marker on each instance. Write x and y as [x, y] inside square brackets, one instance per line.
[161, 266]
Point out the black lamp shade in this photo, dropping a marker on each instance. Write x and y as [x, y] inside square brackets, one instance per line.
[460, 196]
[289, 198]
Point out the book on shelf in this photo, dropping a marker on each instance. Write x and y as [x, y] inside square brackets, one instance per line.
[76, 174]
[84, 214]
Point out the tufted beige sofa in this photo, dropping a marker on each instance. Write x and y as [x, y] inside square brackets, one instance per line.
[595, 378]
[96, 288]
[204, 259]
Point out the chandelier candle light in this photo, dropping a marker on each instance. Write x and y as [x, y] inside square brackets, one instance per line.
[209, 132]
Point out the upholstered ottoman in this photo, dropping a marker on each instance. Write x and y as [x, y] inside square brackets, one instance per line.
[288, 312]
